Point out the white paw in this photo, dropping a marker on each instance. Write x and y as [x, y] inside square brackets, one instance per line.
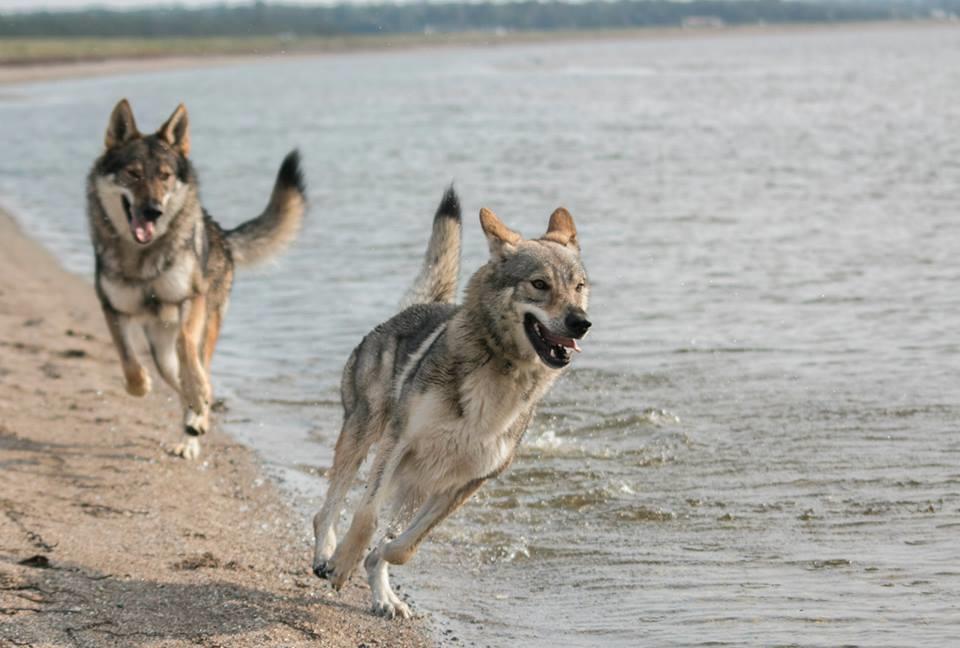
[196, 424]
[189, 449]
[391, 607]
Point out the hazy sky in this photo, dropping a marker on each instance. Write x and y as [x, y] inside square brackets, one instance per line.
[38, 5]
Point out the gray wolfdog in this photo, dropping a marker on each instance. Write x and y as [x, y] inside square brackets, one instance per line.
[447, 391]
[164, 265]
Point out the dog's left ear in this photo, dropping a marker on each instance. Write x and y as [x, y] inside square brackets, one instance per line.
[176, 131]
[562, 230]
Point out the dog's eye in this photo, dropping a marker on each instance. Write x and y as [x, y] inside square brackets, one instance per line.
[164, 176]
[580, 287]
[134, 174]
[540, 284]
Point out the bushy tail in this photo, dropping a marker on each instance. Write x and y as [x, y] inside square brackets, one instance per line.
[437, 281]
[269, 233]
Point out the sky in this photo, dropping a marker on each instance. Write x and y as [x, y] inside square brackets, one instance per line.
[40, 5]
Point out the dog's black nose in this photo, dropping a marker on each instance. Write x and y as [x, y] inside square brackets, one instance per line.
[577, 323]
[152, 211]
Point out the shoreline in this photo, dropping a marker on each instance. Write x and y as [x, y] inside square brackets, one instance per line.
[105, 537]
[39, 70]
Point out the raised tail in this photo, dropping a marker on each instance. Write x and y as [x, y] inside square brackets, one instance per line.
[437, 281]
[269, 233]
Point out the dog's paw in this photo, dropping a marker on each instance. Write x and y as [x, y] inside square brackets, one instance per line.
[328, 571]
[189, 449]
[391, 607]
[138, 384]
[338, 578]
[194, 424]
[322, 569]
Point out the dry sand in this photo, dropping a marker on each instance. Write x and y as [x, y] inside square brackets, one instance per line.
[105, 539]
[32, 73]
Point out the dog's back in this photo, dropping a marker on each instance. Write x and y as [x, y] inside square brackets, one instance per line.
[380, 359]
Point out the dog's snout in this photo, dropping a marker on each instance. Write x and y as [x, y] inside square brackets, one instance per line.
[152, 210]
[577, 322]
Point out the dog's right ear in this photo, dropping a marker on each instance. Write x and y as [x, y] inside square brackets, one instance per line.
[122, 126]
[501, 239]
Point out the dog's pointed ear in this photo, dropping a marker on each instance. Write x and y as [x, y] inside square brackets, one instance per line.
[562, 230]
[122, 126]
[176, 131]
[501, 239]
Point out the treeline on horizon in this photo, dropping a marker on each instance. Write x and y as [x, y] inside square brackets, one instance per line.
[268, 19]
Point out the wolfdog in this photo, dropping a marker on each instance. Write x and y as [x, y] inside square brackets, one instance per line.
[164, 265]
[447, 391]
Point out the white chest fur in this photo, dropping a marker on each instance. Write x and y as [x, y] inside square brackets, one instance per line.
[124, 297]
[470, 439]
[158, 296]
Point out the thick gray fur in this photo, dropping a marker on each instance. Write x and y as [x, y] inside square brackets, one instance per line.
[445, 392]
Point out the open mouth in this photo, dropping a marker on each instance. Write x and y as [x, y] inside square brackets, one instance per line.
[141, 227]
[553, 349]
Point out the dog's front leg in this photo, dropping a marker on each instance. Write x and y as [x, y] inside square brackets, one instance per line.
[136, 378]
[194, 385]
[385, 602]
[437, 507]
[431, 513]
[162, 337]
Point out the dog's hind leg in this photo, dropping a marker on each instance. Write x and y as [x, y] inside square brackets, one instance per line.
[211, 335]
[350, 550]
[217, 300]
[352, 447]
[194, 385]
[136, 378]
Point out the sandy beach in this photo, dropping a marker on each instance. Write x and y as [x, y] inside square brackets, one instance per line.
[36, 72]
[67, 65]
[105, 538]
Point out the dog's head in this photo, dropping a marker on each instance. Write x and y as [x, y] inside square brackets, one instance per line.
[536, 291]
[142, 181]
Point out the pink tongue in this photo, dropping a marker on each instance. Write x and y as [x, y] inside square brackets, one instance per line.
[570, 343]
[142, 230]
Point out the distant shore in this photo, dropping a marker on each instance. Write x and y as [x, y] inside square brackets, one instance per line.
[34, 60]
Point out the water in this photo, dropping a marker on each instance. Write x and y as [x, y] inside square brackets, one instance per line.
[759, 444]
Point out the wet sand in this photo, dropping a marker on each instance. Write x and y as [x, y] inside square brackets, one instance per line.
[105, 538]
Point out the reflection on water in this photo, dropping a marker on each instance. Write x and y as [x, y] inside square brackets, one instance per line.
[758, 445]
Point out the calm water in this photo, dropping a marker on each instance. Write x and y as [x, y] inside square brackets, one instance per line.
[759, 444]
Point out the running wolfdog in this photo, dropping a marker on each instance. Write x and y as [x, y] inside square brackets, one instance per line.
[164, 265]
[447, 391]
